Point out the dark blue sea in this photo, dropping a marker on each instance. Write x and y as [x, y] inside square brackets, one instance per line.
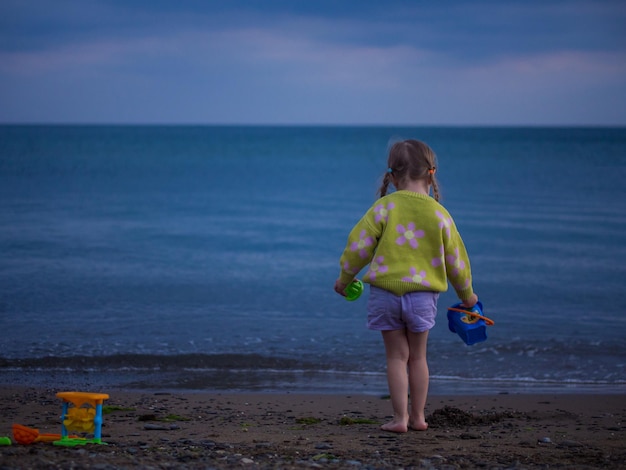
[204, 257]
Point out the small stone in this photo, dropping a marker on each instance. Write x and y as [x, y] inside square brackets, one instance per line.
[155, 427]
[570, 444]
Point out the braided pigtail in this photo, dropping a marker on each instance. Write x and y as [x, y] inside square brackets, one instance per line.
[382, 191]
[435, 185]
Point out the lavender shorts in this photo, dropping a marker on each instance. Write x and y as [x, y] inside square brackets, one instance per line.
[415, 311]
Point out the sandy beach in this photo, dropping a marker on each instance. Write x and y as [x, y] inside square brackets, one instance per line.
[222, 430]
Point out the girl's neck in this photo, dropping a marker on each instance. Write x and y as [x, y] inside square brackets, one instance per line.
[417, 186]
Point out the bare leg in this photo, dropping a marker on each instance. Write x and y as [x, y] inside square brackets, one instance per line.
[418, 379]
[397, 351]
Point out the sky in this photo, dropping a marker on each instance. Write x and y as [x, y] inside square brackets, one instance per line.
[308, 62]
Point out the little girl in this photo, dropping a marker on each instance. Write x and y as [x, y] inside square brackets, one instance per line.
[413, 248]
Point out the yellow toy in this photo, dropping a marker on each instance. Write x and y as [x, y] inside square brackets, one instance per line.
[84, 417]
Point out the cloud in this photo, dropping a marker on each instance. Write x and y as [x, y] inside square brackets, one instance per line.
[315, 62]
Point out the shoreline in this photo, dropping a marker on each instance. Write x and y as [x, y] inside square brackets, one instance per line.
[279, 381]
[172, 429]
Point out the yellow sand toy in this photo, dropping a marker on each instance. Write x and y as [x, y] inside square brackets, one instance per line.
[83, 418]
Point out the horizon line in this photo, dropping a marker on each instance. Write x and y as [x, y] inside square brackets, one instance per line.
[244, 124]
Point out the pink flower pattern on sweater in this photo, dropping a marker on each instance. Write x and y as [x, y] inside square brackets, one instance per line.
[409, 235]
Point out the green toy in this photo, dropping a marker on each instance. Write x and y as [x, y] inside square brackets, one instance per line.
[354, 290]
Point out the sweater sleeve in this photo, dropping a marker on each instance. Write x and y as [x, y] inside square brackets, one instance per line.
[362, 242]
[457, 263]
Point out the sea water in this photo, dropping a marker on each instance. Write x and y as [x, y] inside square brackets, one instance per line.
[204, 257]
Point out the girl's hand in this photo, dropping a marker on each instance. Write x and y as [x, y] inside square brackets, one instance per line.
[469, 303]
[340, 288]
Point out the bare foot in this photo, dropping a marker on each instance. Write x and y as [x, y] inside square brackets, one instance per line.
[418, 426]
[395, 426]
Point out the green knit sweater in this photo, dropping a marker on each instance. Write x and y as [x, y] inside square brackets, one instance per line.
[411, 244]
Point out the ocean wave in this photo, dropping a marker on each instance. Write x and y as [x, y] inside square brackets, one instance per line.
[139, 362]
[254, 371]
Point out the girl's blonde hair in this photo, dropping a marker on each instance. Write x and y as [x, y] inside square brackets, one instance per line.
[410, 160]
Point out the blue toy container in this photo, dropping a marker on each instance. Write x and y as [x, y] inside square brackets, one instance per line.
[470, 329]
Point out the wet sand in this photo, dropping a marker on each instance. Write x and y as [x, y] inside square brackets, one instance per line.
[220, 430]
